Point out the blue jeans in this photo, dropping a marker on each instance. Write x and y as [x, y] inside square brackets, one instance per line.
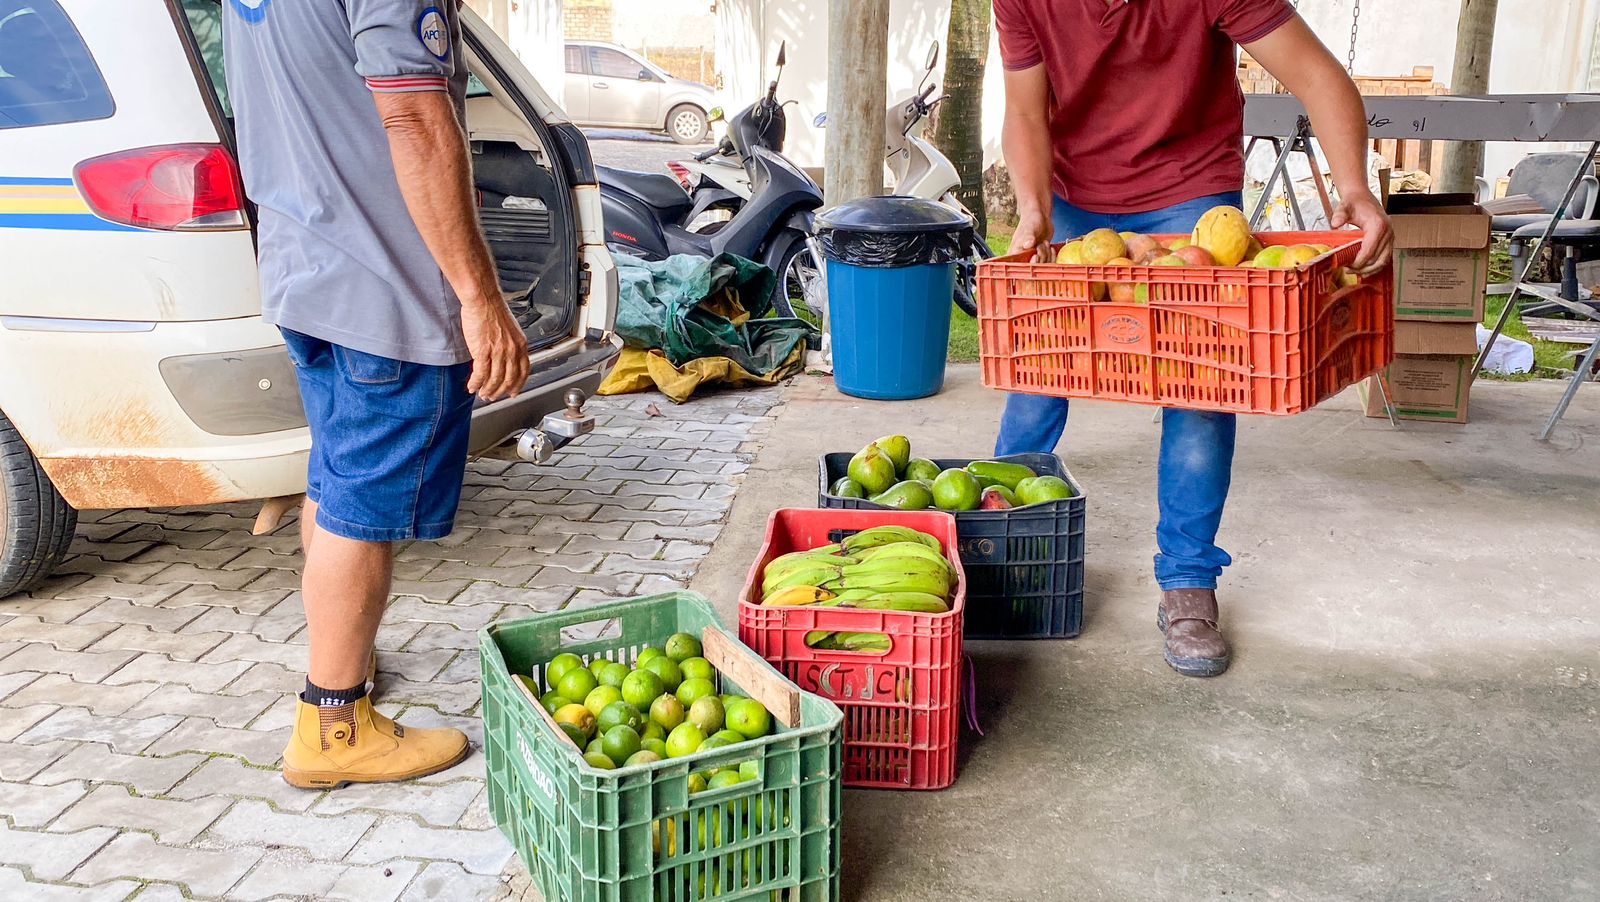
[1196, 463]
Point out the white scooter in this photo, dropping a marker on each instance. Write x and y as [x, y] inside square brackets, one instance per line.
[918, 169]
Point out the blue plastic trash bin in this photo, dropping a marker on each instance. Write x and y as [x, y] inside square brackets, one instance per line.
[891, 265]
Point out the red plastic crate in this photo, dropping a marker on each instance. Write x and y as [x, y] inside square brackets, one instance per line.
[902, 709]
[1223, 338]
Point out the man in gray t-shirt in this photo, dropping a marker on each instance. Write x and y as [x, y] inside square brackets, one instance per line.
[351, 127]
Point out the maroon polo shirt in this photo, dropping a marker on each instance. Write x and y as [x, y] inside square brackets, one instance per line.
[1146, 110]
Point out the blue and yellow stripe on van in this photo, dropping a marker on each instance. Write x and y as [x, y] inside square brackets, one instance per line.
[34, 203]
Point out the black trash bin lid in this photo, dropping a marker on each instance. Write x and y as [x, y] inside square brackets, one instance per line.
[893, 214]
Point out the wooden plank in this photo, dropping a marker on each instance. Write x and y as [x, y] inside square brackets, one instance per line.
[741, 665]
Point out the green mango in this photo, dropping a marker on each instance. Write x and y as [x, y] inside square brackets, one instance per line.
[846, 487]
[872, 469]
[998, 473]
[906, 496]
[956, 490]
[1044, 488]
[898, 447]
[1010, 496]
[921, 468]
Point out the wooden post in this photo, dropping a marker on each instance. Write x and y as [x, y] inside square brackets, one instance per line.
[1463, 160]
[858, 74]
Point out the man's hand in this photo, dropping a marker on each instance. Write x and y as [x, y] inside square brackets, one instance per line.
[1363, 211]
[499, 349]
[1033, 234]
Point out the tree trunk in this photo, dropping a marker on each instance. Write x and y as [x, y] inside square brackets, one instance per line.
[1463, 160]
[959, 134]
[858, 72]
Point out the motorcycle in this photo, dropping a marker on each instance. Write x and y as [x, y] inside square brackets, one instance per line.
[919, 169]
[648, 214]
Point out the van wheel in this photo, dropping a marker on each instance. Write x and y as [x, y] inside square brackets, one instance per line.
[687, 124]
[36, 524]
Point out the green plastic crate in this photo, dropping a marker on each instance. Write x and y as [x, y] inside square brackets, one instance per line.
[635, 834]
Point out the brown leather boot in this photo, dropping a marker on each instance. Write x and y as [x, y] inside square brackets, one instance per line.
[331, 746]
[1188, 618]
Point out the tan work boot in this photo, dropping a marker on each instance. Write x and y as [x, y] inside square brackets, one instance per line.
[1195, 646]
[334, 745]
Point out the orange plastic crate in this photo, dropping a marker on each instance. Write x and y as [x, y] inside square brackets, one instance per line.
[1223, 338]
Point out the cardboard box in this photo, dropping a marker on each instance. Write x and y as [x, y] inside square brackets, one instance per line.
[1431, 377]
[1441, 257]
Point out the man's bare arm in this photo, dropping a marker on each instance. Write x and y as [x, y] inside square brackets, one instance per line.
[1025, 140]
[1294, 55]
[432, 164]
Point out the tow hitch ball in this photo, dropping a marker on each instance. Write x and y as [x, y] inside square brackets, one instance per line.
[539, 444]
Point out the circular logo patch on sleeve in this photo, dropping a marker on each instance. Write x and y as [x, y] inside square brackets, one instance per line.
[434, 32]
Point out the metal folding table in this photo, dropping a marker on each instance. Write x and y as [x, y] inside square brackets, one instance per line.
[1282, 120]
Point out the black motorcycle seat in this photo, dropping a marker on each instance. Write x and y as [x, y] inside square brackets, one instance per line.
[661, 192]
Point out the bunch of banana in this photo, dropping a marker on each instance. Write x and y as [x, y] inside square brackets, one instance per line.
[874, 643]
[886, 568]
[886, 535]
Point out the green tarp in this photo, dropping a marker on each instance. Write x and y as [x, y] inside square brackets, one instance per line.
[692, 308]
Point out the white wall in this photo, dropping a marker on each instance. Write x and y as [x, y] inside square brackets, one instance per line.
[532, 29]
[664, 23]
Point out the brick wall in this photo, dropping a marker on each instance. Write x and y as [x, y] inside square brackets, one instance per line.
[694, 63]
[589, 20]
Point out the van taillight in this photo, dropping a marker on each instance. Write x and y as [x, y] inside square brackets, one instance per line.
[174, 186]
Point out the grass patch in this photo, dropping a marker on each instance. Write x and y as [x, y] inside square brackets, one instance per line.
[1550, 358]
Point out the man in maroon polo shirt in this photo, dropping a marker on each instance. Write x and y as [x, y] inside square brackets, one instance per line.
[1126, 114]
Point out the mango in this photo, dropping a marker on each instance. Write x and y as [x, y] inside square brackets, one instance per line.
[872, 469]
[1139, 245]
[1071, 252]
[995, 498]
[1225, 233]
[845, 487]
[1044, 488]
[898, 447]
[1102, 246]
[1299, 255]
[956, 490]
[1322, 248]
[921, 468]
[1178, 244]
[1271, 257]
[1170, 259]
[906, 496]
[1193, 255]
[1255, 248]
[1150, 256]
[1000, 472]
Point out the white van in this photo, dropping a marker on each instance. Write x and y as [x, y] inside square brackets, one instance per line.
[135, 369]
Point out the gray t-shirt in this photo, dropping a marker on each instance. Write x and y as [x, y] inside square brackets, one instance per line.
[341, 258]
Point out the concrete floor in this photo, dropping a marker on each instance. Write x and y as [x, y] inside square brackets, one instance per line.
[1412, 708]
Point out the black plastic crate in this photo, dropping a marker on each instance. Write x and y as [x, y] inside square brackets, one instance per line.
[1024, 565]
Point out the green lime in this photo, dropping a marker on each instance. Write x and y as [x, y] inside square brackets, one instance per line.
[620, 742]
[666, 668]
[612, 674]
[597, 700]
[668, 711]
[684, 739]
[554, 701]
[749, 718]
[576, 683]
[728, 736]
[558, 667]
[653, 730]
[646, 655]
[619, 713]
[641, 688]
[659, 746]
[691, 691]
[575, 735]
[750, 770]
[706, 713]
[724, 778]
[682, 646]
[643, 756]
[596, 746]
[598, 665]
[697, 669]
[715, 741]
[729, 699]
[697, 782]
[599, 759]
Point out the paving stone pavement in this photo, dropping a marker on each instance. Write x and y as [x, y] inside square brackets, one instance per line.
[144, 689]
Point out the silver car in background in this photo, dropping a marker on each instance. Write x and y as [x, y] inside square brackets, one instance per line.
[614, 87]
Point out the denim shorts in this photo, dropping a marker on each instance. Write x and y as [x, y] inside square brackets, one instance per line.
[388, 440]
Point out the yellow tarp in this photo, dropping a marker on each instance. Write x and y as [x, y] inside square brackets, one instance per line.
[639, 370]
